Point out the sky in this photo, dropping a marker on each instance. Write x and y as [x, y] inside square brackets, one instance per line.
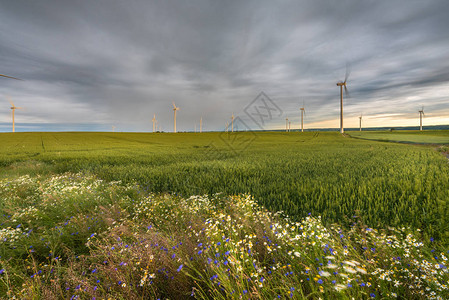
[88, 65]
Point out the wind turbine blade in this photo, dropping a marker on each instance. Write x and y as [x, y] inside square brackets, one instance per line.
[10, 77]
[174, 106]
[10, 102]
[348, 71]
[347, 92]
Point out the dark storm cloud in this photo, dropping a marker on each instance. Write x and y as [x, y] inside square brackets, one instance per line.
[118, 62]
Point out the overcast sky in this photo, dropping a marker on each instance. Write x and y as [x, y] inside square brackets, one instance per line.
[93, 64]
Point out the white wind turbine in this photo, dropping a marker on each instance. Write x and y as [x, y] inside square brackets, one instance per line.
[232, 126]
[13, 107]
[421, 114]
[201, 124]
[342, 84]
[360, 122]
[303, 111]
[154, 122]
[113, 128]
[286, 124]
[174, 110]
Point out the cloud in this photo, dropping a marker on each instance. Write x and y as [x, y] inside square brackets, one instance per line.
[115, 62]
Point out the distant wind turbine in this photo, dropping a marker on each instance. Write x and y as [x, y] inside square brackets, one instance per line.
[10, 77]
[201, 124]
[421, 114]
[232, 126]
[174, 110]
[360, 124]
[154, 122]
[303, 111]
[289, 124]
[286, 124]
[113, 128]
[13, 107]
[341, 85]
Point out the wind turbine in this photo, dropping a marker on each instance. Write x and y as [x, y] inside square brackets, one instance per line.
[289, 123]
[154, 121]
[10, 77]
[201, 124]
[303, 111]
[232, 126]
[227, 126]
[286, 124]
[341, 85]
[13, 107]
[174, 110]
[360, 122]
[421, 114]
[113, 128]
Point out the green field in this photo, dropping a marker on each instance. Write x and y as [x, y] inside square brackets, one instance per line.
[322, 173]
[406, 136]
[77, 207]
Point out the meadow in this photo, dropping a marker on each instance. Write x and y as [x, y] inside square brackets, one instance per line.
[405, 136]
[98, 215]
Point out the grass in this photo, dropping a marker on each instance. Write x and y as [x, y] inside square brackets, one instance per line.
[418, 137]
[79, 237]
[321, 173]
[117, 215]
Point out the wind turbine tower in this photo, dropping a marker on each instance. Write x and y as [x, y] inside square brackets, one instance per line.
[232, 122]
[201, 124]
[286, 124]
[289, 124]
[360, 122]
[303, 111]
[154, 122]
[13, 107]
[113, 128]
[421, 114]
[174, 110]
[342, 84]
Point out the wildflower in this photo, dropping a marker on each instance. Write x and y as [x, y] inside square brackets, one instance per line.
[180, 268]
[325, 274]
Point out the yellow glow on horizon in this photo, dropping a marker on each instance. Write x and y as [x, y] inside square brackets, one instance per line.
[386, 120]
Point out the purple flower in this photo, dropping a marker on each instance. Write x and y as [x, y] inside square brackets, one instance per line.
[1, 271]
[180, 268]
